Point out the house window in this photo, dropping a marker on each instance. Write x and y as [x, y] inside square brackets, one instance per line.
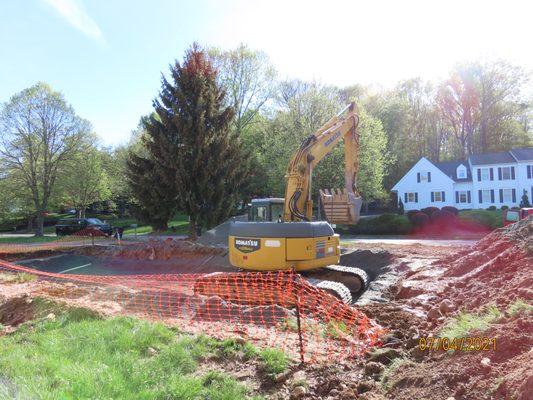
[437, 196]
[461, 174]
[411, 197]
[506, 173]
[424, 176]
[530, 172]
[485, 174]
[485, 196]
[462, 196]
[507, 195]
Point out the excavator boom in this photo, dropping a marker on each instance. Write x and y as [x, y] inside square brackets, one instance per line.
[341, 207]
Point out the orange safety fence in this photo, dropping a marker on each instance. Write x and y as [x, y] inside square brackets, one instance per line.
[79, 239]
[274, 309]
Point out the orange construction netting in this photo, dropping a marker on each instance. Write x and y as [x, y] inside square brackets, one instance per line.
[274, 309]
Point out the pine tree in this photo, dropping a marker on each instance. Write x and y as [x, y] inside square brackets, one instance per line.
[151, 175]
[401, 208]
[211, 167]
[525, 201]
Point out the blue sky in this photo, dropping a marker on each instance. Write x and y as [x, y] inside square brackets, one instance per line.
[106, 57]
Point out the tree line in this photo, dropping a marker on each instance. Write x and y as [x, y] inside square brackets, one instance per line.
[224, 126]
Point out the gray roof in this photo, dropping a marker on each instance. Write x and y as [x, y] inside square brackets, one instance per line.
[450, 169]
[523, 154]
[492, 158]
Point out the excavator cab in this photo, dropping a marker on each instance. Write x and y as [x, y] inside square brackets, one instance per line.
[266, 210]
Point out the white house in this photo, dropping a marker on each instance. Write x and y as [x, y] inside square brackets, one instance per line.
[481, 181]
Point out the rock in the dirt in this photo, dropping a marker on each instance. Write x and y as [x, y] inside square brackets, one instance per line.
[433, 314]
[299, 376]
[384, 355]
[298, 392]
[446, 306]
[51, 317]
[373, 368]
[366, 386]
[485, 362]
[281, 377]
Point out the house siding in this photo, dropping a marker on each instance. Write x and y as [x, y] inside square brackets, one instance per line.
[520, 174]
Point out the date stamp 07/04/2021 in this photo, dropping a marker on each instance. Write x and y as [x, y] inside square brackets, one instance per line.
[457, 344]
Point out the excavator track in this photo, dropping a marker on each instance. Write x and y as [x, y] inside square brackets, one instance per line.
[354, 279]
[337, 289]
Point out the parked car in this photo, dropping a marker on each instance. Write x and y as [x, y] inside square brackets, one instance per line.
[70, 226]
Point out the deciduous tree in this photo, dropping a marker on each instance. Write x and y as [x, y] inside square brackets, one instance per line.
[39, 134]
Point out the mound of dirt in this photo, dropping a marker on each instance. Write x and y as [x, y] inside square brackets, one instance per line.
[498, 272]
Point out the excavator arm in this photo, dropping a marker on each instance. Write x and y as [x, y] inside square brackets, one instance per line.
[339, 206]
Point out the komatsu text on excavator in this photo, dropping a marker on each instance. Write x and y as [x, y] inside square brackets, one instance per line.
[290, 239]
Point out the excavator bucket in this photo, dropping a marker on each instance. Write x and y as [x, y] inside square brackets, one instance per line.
[340, 207]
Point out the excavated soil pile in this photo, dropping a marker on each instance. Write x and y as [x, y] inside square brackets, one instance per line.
[163, 250]
[496, 272]
[192, 257]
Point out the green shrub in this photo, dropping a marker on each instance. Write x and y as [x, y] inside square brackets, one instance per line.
[429, 210]
[504, 208]
[491, 208]
[442, 216]
[420, 219]
[450, 209]
[385, 224]
[411, 213]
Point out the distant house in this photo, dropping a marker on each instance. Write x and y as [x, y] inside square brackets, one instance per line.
[481, 181]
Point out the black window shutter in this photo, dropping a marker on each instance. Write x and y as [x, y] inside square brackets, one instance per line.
[501, 195]
[418, 177]
[529, 172]
[469, 199]
[432, 197]
[429, 176]
[491, 173]
[492, 195]
[416, 197]
[405, 196]
[499, 173]
[512, 173]
[443, 195]
[478, 174]
[479, 196]
[514, 195]
[457, 197]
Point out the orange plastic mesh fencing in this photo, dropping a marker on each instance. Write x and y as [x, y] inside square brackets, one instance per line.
[274, 309]
[79, 239]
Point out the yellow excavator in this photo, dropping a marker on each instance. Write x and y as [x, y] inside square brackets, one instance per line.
[291, 240]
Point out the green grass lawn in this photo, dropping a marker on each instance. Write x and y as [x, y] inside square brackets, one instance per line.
[179, 225]
[79, 355]
[28, 239]
[490, 218]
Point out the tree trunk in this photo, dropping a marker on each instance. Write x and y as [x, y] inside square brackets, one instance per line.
[78, 213]
[29, 228]
[192, 229]
[39, 229]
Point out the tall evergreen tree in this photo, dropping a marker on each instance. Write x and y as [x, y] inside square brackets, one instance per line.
[211, 167]
[151, 175]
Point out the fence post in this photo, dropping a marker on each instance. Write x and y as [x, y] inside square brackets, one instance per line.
[298, 319]
[92, 238]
